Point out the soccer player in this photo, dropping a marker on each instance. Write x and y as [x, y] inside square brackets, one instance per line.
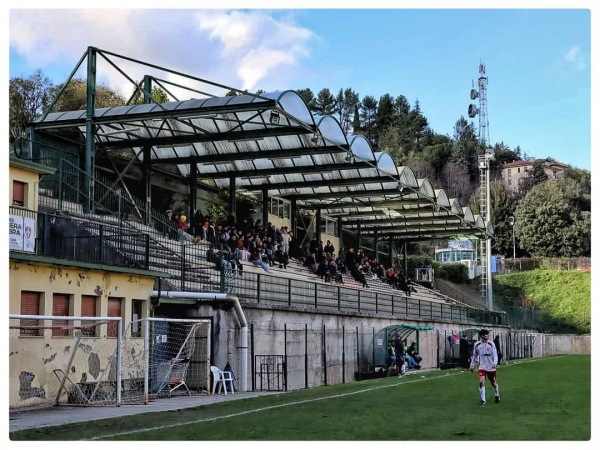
[486, 358]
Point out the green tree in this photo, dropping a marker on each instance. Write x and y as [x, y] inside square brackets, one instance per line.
[466, 147]
[503, 154]
[534, 177]
[74, 97]
[346, 102]
[325, 103]
[504, 203]
[368, 111]
[308, 96]
[27, 98]
[418, 126]
[159, 95]
[438, 155]
[549, 222]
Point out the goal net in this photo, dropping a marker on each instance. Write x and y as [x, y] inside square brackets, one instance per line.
[55, 360]
[165, 358]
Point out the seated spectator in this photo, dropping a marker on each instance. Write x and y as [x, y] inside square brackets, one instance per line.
[256, 259]
[412, 351]
[211, 254]
[408, 359]
[334, 274]
[322, 270]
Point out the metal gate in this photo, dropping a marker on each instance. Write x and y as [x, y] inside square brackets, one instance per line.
[269, 372]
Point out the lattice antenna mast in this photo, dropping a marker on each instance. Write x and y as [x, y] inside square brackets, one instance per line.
[484, 124]
[485, 207]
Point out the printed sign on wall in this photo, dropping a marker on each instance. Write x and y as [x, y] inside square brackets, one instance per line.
[21, 233]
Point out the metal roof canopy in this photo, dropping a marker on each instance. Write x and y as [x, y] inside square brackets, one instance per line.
[269, 143]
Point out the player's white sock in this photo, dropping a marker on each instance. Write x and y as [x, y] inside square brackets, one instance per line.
[497, 391]
[482, 393]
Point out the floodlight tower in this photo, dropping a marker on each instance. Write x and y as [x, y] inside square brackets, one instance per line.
[485, 206]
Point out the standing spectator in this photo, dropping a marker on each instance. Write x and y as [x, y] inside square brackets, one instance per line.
[329, 249]
[281, 257]
[285, 241]
[399, 348]
[170, 228]
[497, 344]
[486, 358]
[391, 351]
[197, 226]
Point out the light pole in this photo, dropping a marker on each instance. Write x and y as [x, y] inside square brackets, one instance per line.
[511, 222]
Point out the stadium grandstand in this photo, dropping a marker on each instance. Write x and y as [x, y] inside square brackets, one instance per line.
[92, 188]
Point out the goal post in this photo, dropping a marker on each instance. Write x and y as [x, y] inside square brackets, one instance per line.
[55, 360]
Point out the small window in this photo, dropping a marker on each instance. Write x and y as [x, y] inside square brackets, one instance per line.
[137, 314]
[519, 170]
[509, 172]
[509, 182]
[61, 307]
[30, 306]
[19, 193]
[114, 310]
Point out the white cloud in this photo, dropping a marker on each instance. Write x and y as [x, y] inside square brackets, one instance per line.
[575, 58]
[242, 49]
[255, 42]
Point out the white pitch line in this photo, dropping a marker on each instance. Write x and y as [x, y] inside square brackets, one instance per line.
[299, 402]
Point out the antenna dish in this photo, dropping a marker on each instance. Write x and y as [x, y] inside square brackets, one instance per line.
[472, 110]
[474, 94]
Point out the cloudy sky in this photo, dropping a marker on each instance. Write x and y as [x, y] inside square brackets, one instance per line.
[538, 61]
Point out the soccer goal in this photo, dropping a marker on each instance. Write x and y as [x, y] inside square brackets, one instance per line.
[164, 358]
[56, 360]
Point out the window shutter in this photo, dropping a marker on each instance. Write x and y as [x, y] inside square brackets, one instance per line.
[60, 307]
[30, 305]
[114, 310]
[88, 309]
[18, 193]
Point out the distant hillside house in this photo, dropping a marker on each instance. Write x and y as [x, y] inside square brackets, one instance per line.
[513, 172]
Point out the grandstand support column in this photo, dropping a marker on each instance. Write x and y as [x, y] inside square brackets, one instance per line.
[318, 225]
[339, 231]
[405, 254]
[265, 205]
[359, 235]
[294, 218]
[376, 244]
[231, 219]
[147, 167]
[392, 248]
[193, 190]
[88, 186]
[147, 89]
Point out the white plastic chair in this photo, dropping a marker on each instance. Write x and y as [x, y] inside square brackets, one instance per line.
[221, 377]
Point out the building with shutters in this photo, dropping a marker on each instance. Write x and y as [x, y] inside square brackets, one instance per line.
[45, 282]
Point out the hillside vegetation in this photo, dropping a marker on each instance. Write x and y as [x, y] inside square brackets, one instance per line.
[562, 298]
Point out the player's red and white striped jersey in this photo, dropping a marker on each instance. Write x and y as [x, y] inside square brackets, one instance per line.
[485, 354]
